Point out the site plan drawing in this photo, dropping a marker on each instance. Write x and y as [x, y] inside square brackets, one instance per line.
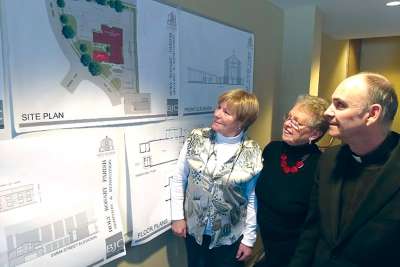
[152, 152]
[60, 210]
[214, 58]
[75, 63]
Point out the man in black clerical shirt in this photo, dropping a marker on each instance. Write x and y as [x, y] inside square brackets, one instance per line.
[354, 217]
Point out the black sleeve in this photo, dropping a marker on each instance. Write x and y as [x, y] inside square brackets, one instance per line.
[270, 150]
[306, 245]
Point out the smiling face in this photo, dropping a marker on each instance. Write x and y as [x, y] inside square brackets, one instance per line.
[225, 121]
[297, 129]
[348, 114]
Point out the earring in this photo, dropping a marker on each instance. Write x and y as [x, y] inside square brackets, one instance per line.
[310, 141]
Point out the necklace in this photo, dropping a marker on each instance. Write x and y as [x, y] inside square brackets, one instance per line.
[292, 169]
[233, 159]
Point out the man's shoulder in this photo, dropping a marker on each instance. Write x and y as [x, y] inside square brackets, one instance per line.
[396, 137]
[334, 150]
[395, 140]
[335, 154]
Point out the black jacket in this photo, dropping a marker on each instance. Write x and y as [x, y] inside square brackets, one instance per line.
[372, 238]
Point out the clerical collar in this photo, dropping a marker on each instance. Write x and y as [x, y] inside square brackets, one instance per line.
[219, 138]
[381, 153]
[356, 157]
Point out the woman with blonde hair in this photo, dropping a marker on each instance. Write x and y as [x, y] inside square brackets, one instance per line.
[213, 198]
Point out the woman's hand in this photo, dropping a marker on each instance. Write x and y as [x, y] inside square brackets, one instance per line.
[179, 228]
[244, 252]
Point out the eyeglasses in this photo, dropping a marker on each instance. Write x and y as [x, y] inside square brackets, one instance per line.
[293, 122]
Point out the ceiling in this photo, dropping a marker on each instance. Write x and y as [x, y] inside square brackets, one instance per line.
[350, 19]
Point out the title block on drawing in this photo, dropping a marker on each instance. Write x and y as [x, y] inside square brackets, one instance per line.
[114, 245]
[172, 107]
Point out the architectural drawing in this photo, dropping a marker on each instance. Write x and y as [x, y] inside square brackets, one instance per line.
[28, 244]
[92, 51]
[16, 197]
[59, 205]
[163, 150]
[103, 50]
[152, 152]
[214, 58]
[232, 73]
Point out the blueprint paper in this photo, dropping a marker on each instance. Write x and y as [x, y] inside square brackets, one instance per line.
[158, 51]
[104, 65]
[213, 59]
[76, 65]
[152, 152]
[58, 199]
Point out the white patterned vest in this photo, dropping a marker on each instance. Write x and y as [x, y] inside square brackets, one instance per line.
[218, 195]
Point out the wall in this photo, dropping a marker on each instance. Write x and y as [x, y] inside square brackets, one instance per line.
[266, 22]
[334, 59]
[334, 67]
[300, 60]
[382, 55]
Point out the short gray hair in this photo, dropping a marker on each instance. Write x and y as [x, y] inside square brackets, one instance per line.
[316, 106]
[381, 91]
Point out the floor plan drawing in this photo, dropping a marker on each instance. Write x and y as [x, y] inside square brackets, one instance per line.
[162, 151]
[152, 152]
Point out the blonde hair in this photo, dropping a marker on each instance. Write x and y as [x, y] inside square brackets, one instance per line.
[244, 105]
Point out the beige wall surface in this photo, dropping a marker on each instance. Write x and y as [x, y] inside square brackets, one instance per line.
[382, 55]
[266, 22]
[333, 69]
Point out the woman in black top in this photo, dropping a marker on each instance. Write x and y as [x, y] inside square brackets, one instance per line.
[284, 184]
